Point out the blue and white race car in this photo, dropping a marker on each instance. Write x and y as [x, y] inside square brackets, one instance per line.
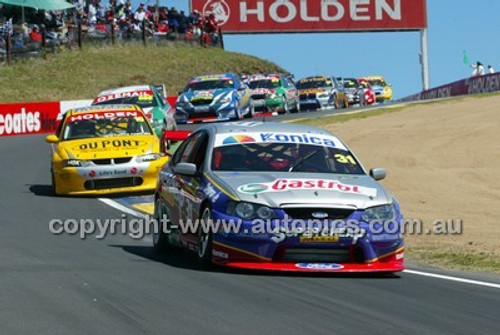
[280, 197]
[214, 98]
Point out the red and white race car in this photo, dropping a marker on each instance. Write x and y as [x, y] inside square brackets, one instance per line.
[369, 96]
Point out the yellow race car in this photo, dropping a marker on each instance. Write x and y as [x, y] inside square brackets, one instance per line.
[105, 149]
[383, 90]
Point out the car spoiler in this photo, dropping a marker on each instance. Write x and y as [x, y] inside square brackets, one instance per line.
[177, 135]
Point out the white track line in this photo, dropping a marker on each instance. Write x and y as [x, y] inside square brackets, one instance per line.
[455, 279]
[122, 208]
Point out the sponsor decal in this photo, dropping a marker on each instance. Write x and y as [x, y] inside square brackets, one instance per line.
[319, 215]
[238, 139]
[284, 185]
[121, 95]
[109, 144]
[253, 188]
[220, 254]
[319, 239]
[293, 138]
[400, 256]
[319, 266]
[103, 115]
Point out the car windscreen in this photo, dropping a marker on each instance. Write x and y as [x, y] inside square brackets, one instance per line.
[284, 157]
[79, 127]
[377, 82]
[264, 83]
[350, 83]
[208, 85]
[144, 99]
[311, 84]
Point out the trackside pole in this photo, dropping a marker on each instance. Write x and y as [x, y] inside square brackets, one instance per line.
[424, 59]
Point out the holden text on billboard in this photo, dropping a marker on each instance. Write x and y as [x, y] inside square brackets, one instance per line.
[268, 16]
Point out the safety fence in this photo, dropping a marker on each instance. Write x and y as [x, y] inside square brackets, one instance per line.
[476, 85]
[18, 44]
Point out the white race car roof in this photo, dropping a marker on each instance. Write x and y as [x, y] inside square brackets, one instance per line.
[126, 89]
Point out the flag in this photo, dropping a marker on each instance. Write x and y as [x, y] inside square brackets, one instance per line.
[466, 58]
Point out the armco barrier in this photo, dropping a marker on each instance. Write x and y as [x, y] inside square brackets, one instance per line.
[475, 85]
[27, 118]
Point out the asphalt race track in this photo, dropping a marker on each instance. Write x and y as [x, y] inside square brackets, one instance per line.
[64, 285]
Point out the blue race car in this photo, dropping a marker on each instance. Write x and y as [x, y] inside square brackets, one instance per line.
[214, 98]
[280, 197]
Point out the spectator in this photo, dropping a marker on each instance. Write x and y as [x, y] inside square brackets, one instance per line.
[92, 14]
[173, 22]
[478, 69]
[140, 14]
[211, 29]
[195, 21]
[491, 70]
[35, 35]
[183, 22]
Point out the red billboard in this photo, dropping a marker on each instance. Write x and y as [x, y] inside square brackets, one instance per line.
[28, 118]
[292, 16]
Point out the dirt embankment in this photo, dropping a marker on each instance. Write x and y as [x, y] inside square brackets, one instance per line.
[443, 161]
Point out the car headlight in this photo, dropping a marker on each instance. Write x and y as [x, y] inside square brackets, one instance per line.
[75, 163]
[323, 95]
[271, 96]
[248, 211]
[148, 158]
[380, 213]
[183, 104]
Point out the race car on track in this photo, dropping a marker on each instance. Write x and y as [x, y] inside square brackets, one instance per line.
[273, 92]
[370, 97]
[383, 90]
[105, 149]
[321, 92]
[267, 178]
[214, 98]
[150, 98]
[352, 90]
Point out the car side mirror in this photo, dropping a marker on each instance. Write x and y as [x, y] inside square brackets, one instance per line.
[378, 173]
[186, 169]
[52, 139]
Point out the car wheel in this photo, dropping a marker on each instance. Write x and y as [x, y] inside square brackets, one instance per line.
[346, 103]
[335, 102]
[204, 248]
[251, 111]
[53, 183]
[286, 108]
[160, 234]
[296, 109]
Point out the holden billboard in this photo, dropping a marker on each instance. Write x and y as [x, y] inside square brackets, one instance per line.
[290, 16]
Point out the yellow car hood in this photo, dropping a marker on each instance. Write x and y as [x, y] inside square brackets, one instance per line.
[108, 147]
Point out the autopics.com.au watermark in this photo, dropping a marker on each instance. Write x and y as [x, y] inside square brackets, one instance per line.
[138, 228]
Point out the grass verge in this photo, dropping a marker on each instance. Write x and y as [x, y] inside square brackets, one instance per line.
[83, 74]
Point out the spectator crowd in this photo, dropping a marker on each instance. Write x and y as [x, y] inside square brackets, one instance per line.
[127, 21]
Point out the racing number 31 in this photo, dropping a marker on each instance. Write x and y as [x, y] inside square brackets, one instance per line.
[345, 159]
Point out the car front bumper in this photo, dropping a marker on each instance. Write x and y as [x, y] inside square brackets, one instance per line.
[384, 253]
[108, 179]
[216, 112]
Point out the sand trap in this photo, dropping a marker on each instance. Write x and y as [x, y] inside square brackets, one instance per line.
[443, 162]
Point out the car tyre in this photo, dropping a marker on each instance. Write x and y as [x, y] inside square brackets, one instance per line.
[204, 247]
[160, 235]
[251, 111]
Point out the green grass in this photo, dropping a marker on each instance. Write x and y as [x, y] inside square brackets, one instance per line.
[83, 74]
